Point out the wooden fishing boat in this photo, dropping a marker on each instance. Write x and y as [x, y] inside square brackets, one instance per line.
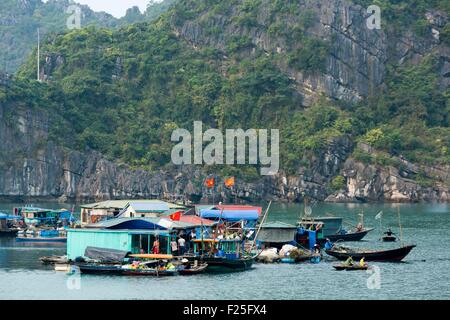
[8, 232]
[350, 236]
[153, 272]
[389, 255]
[193, 270]
[389, 238]
[354, 267]
[221, 255]
[152, 256]
[54, 260]
[224, 264]
[103, 269]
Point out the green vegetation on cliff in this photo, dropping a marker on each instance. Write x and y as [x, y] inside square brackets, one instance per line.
[20, 19]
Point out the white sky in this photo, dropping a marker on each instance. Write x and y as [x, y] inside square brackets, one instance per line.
[117, 8]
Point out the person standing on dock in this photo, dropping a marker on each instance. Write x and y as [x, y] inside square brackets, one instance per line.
[191, 238]
[174, 247]
[156, 246]
[181, 245]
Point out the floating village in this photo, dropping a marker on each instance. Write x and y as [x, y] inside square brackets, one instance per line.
[159, 238]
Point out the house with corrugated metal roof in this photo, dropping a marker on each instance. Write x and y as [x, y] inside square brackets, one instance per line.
[100, 211]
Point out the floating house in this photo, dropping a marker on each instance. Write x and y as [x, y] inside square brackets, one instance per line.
[101, 211]
[135, 235]
[40, 216]
[149, 209]
[6, 221]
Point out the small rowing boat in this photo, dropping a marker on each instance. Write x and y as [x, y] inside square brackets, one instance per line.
[389, 239]
[193, 270]
[104, 269]
[153, 272]
[350, 236]
[54, 260]
[354, 267]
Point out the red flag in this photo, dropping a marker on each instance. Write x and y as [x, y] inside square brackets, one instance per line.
[176, 216]
[210, 182]
[229, 182]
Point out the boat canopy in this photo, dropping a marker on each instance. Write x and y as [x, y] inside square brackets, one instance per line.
[105, 255]
[277, 232]
[230, 215]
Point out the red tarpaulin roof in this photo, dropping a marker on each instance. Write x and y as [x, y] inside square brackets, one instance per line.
[196, 220]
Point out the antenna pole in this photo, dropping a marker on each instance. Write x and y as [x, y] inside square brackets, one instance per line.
[38, 56]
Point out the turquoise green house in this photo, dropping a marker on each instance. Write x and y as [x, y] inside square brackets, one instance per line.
[134, 241]
[135, 235]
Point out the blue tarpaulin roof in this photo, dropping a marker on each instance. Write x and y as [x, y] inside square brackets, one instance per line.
[230, 215]
[8, 217]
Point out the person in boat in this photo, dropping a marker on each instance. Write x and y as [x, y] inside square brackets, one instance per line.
[185, 264]
[349, 262]
[328, 244]
[362, 262]
[316, 248]
[359, 227]
[389, 233]
[170, 266]
[174, 247]
[155, 249]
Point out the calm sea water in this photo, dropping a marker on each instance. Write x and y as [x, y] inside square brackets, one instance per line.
[423, 275]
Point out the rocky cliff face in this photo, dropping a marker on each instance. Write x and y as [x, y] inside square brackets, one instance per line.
[356, 63]
[33, 167]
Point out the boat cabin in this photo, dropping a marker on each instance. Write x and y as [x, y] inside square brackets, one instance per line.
[230, 249]
[327, 225]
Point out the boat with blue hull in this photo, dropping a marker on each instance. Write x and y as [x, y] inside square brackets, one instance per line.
[43, 236]
[42, 239]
